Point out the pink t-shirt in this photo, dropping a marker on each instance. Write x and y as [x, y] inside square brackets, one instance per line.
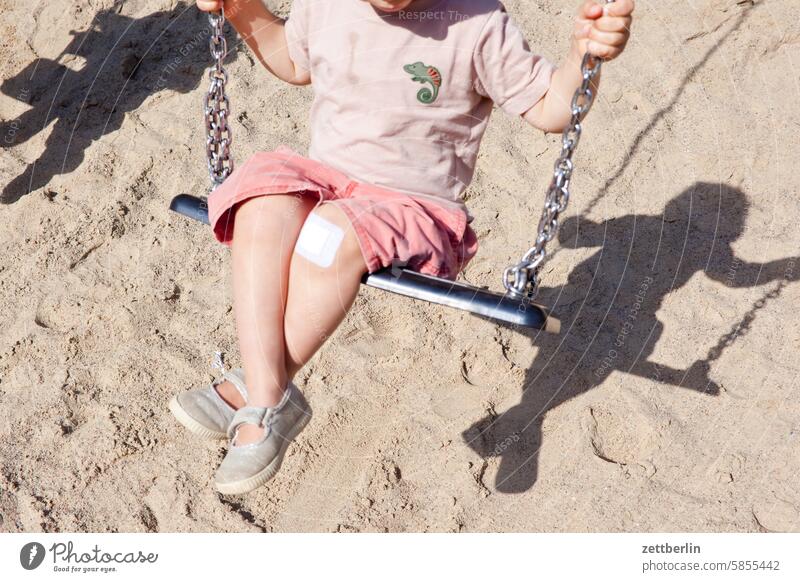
[401, 100]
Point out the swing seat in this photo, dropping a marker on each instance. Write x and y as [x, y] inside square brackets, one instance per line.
[480, 302]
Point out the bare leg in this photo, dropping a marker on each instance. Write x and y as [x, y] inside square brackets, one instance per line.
[264, 237]
[319, 298]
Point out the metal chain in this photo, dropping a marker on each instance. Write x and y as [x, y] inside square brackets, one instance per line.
[217, 107]
[522, 280]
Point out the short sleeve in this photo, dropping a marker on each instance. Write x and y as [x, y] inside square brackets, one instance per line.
[297, 34]
[507, 71]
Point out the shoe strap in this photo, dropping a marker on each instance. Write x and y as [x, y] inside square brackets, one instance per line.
[236, 377]
[258, 415]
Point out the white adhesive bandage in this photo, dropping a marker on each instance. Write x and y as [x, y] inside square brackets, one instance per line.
[319, 240]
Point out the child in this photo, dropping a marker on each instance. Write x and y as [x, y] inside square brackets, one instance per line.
[403, 90]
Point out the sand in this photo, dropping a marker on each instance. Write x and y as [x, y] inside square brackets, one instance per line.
[669, 401]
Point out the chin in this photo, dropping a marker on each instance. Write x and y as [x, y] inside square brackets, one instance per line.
[386, 7]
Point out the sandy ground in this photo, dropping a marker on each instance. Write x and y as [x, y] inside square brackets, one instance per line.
[669, 401]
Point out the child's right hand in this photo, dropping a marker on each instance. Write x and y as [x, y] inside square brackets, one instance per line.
[210, 5]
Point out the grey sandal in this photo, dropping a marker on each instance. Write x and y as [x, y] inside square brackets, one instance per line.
[203, 411]
[247, 467]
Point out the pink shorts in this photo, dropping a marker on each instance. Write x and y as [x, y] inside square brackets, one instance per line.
[392, 228]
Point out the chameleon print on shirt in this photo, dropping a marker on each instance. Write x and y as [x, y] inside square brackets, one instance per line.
[422, 73]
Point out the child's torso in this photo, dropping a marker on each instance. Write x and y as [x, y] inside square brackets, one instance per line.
[395, 102]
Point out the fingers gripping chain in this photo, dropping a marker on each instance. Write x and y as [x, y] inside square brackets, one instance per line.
[522, 279]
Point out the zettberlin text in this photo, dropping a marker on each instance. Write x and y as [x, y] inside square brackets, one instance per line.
[670, 549]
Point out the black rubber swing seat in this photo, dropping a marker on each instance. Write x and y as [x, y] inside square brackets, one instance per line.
[480, 302]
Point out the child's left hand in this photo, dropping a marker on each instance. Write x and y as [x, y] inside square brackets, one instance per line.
[603, 29]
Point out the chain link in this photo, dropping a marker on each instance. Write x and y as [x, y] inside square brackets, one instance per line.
[216, 106]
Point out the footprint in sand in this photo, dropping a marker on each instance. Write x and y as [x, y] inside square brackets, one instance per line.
[621, 436]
